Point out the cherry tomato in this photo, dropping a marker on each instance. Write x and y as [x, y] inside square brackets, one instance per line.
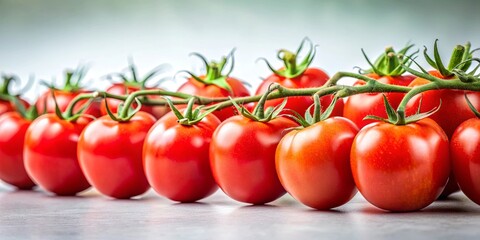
[242, 157]
[401, 168]
[465, 154]
[122, 89]
[176, 160]
[110, 155]
[359, 106]
[198, 88]
[12, 169]
[312, 77]
[313, 163]
[50, 154]
[46, 103]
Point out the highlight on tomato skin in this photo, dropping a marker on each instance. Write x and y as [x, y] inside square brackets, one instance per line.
[176, 158]
[50, 154]
[313, 163]
[110, 155]
[401, 168]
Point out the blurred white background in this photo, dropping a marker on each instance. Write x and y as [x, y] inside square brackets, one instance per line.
[45, 37]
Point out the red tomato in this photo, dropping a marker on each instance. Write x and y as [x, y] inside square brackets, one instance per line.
[313, 163]
[465, 155]
[64, 98]
[50, 154]
[312, 77]
[8, 106]
[197, 88]
[110, 155]
[359, 106]
[242, 157]
[400, 168]
[12, 169]
[122, 89]
[176, 160]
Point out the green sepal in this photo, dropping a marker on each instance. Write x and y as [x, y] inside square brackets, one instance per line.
[135, 80]
[390, 63]
[470, 105]
[260, 114]
[317, 116]
[191, 116]
[293, 69]
[460, 59]
[392, 115]
[214, 71]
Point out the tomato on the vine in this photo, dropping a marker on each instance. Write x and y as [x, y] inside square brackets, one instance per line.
[61, 97]
[110, 155]
[313, 162]
[453, 108]
[294, 75]
[13, 127]
[401, 167]
[128, 86]
[176, 155]
[50, 154]
[242, 154]
[215, 84]
[387, 69]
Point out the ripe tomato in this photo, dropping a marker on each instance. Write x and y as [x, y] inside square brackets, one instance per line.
[453, 101]
[46, 103]
[50, 154]
[198, 88]
[122, 89]
[110, 155]
[313, 163]
[312, 77]
[176, 160]
[6, 105]
[359, 106]
[242, 157]
[12, 169]
[400, 168]
[465, 155]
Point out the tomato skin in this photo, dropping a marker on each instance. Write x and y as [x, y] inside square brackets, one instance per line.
[313, 163]
[242, 157]
[110, 155]
[312, 77]
[122, 89]
[12, 169]
[176, 158]
[50, 154]
[400, 168]
[465, 155]
[361, 105]
[46, 103]
[195, 87]
[7, 106]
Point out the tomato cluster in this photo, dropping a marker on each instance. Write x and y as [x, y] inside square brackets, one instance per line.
[396, 148]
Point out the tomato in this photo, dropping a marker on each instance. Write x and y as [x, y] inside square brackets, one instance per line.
[122, 89]
[6, 105]
[465, 155]
[50, 154]
[12, 170]
[312, 77]
[453, 110]
[46, 103]
[313, 163]
[242, 157]
[401, 168]
[110, 155]
[198, 88]
[359, 106]
[176, 158]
